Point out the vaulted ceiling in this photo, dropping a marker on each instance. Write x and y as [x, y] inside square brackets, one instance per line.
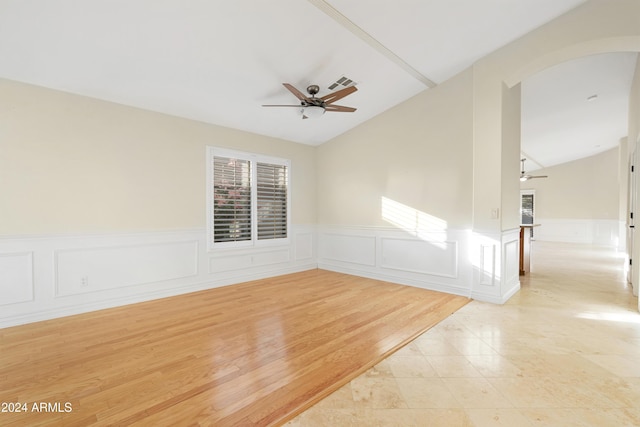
[218, 61]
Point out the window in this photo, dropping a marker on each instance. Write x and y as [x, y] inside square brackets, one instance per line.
[231, 199]
[271, 201]
[247, 198]
[527, 209]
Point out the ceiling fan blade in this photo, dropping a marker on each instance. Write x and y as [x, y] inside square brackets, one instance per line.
[333, 97]
[339, 108]
[272, 105]
[528, 177]
[295, 91]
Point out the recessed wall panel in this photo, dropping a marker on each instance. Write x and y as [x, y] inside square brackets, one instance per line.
[436, 258]
[512, 259]
[16, 278]
[348, 248]
[304, 246]
[94, 269]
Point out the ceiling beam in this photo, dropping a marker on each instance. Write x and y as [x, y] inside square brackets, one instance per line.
[367, 38]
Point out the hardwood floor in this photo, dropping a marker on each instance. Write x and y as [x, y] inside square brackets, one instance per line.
[253, 354]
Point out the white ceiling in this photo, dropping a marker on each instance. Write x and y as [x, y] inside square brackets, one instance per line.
[218, 61]
[561, 121]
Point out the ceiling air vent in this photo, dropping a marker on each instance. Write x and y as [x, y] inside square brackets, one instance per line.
[342, 81]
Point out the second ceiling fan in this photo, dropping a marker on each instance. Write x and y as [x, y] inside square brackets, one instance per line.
[526, 177]
[312, 107]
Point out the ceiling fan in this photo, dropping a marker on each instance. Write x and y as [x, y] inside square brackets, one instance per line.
[526, 177]
[312, 107]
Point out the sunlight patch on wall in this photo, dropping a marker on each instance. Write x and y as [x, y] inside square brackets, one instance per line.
[413, 221]
[484, 251]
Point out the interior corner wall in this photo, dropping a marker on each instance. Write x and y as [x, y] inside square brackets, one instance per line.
[417, 154]
[579, 201]
[395, 193]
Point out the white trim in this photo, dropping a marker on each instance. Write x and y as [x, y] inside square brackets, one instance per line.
[123, 278]
[358, 250]
[11, 263]
[453, 274]
[362, 252]
[604, 232]
[187, 269]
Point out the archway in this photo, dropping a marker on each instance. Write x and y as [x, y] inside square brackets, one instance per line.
[592, 28]
[628, 182]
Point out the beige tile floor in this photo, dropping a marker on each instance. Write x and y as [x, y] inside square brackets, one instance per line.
[564, 351]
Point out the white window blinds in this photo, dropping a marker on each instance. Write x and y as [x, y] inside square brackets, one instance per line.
[272, 201]
[232, 200]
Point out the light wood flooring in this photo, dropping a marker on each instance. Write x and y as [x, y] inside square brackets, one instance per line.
[562, 352]
[253, 354]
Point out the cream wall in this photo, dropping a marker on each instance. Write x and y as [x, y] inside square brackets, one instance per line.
[511, 121]
[71, 164]
[582, 189]
[418, 154]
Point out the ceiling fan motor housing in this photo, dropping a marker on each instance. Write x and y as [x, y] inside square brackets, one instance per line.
[313, 89]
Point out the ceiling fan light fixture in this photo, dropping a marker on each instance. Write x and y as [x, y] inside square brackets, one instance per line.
[312, 111]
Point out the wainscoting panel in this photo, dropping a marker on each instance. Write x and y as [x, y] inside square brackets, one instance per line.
[435, 258]
[54, 276]
[510, 282]
[304, 246]
[436, 261]
[591, 231]
[487, 264]
[16, 277]
[230, 262]
[93, 269]
[512, 260]
[44, 277]
[247, 259]
[348, 248]
[495, 258]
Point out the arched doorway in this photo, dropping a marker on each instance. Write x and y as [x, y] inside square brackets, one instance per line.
[627, 181]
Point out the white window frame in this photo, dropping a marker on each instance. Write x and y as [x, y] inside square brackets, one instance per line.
[528, 193]
[253, 158]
